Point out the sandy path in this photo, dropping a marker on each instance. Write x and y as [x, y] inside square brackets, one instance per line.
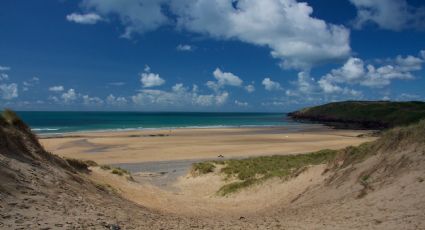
[185, 144]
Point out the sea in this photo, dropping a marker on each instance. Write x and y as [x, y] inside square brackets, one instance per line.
[67, 122]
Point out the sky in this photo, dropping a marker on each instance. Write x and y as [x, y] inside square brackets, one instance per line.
[208, 55]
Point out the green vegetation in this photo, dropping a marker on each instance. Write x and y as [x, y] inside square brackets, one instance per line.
[80, 165]
[10, 116]
[105, 167]
[77, 164]
[255, 170]
[118, 171]
[202, 168]
[365, 114]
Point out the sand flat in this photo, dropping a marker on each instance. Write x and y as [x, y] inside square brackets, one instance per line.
[189, 144]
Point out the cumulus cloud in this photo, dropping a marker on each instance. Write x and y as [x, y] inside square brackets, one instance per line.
[3, 77]
[30, 83]
[138, 16]
[409, 63]
[286, 27]
[270, 85]
[116, 83]
[116, 101]
[389, 14]
[178, 96]
[89, 19]
[69, 96]
[422, 54]
[224, 79]
[355, 71]
[149, 80]
[4, 68]
[57, 88]
[241, 104]
[9, 91]
[87, 100]
[184, 47]
[250, 88]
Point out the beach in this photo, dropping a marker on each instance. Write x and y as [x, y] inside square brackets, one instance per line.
[160, 162]
[197, 144]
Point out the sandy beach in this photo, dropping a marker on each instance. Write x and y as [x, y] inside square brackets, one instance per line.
[192, 144]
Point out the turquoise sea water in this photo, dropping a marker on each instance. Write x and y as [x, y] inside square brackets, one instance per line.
[64, 122]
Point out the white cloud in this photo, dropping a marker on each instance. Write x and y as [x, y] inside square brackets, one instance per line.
[389, 14]
[212, 85]
[151, 80]
[223, 79]
[54, 99]
[409, 63]
[147, 69]
[87, 100]
[422, 54]
[184, 47]
[69, 96]
[270, 85]
[286, 27]
[3, 77]
[241, 104]
[226, 78]
[4, 68]
[179, 96]
[355, 71]
[221, 98]
[30, 83]
[116, 101]
[90, 18]
[250, 88]
[305, 83]
[204, 100]
[116, 83]
[57, 88]
[138, 16]
[9, 91]
[408, 97]
[386, 98]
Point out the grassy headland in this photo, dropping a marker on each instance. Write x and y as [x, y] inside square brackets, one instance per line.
[364, 114]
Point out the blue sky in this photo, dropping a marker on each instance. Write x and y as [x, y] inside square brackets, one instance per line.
[208, 55]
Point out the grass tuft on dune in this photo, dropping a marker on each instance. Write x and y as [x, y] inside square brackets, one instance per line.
[202, 168]
[255, 170]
